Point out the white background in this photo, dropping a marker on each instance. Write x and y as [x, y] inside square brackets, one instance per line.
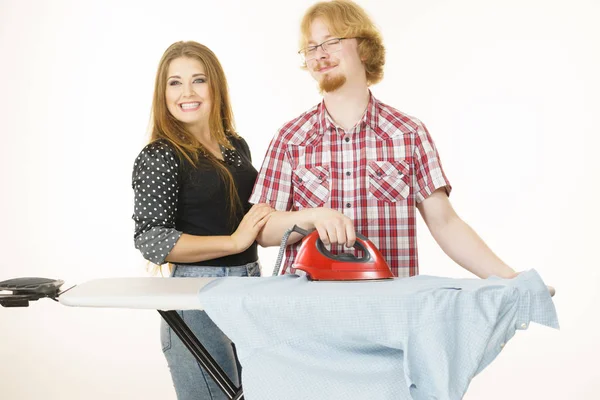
[508, 90]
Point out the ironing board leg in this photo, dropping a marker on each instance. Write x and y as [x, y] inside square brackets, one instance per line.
[201, 354]
[239, 395]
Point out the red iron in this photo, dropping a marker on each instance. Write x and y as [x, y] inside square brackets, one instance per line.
[321, 265]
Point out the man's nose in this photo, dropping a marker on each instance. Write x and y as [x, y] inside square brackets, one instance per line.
[321, 54]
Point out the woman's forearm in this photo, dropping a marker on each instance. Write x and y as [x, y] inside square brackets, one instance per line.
[192, 248]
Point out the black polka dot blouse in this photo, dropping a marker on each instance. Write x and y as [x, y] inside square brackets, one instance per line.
[173, 197]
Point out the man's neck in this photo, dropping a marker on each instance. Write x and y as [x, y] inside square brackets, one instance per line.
[347, 105]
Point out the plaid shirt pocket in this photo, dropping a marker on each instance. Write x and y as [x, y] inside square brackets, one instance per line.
[389, 181]
[311, 186]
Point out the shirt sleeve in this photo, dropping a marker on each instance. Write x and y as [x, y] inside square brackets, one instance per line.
[155, 182]
[274, 182]
[429, 175]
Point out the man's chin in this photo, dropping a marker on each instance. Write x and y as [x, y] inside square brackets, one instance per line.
[331, 83]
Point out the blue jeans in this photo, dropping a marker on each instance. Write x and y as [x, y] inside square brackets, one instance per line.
[191, 381]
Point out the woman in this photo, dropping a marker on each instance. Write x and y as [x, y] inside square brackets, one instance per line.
[191, 185]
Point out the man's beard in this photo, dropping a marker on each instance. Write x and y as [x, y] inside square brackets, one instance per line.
[330, 83]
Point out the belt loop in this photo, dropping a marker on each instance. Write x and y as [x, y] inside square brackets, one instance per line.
[250, 268]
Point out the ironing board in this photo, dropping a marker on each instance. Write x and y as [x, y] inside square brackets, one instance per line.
[162, 294]
[169, 294]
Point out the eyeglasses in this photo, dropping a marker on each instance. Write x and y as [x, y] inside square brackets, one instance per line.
[329, 46]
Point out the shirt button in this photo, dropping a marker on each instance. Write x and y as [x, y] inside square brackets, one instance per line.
[502, 345]
[348, 205]
[347, 139]
[348, 173]
[523, 325]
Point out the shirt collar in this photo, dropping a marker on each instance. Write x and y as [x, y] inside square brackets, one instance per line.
[370, 118]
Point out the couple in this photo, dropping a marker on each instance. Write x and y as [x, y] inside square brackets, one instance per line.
[350, 164]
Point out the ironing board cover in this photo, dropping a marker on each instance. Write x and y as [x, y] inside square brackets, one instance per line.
[415, 338]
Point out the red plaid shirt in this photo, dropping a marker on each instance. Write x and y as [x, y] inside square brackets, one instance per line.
[375, 174]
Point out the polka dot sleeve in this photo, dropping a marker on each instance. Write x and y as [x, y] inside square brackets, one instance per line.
[155, 182]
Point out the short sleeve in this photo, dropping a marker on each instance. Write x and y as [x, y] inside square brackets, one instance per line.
[274, 182]
[155, 182]
[429, 175]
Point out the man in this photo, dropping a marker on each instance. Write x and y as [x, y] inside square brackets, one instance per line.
[354, 164]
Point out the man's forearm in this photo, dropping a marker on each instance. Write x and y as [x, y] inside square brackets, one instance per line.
[280, 222]
[462, 244]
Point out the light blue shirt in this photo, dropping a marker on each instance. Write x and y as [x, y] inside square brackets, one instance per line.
[413, 338]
